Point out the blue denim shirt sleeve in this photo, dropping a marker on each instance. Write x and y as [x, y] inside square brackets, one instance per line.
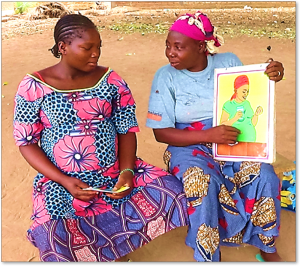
[161, 108]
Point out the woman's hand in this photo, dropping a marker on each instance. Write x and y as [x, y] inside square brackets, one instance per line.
[222, 134]
[75, 186]
[237, 116]
[274, 70]
[125, 179]
[258, 111]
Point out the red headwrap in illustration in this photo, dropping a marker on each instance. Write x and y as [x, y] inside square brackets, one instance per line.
[238, 82]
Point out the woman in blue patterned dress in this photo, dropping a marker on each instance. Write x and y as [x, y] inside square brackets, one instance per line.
[75, 123]
[229, 203]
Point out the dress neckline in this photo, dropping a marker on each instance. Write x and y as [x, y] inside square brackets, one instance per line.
[202, 72]
[66, 91]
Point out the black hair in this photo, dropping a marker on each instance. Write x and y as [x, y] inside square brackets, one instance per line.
[67, 28]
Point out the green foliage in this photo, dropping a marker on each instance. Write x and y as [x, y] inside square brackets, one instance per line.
[139, 27]
[270, 32]
[22, 7]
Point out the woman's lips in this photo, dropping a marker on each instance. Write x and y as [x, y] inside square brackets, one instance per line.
[92, 63]
[173, 64]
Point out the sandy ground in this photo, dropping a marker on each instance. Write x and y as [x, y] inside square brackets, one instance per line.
[25, 54]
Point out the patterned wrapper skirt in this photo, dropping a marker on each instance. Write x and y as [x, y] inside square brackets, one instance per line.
[229, 202]
[157, 208]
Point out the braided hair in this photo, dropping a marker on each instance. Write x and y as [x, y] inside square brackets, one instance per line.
[68, 28]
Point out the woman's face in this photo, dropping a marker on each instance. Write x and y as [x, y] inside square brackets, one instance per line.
[184, 52]
[84, 50]
[242, 93]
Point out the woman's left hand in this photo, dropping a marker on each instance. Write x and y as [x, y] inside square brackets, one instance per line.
[274, 70]
[126, 179]
[258, 111]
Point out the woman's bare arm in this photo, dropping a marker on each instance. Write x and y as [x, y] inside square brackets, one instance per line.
[127, 145]
[178, 137]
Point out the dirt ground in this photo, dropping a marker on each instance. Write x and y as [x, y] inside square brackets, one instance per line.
[136, 58]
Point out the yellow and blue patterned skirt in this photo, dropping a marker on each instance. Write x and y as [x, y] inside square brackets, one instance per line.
[230, 203]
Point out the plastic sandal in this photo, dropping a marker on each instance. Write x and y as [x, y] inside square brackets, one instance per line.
[259, 258]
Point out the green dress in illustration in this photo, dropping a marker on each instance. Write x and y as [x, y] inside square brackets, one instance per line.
[244, 124]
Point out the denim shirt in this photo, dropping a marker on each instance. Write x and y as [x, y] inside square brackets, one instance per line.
[181, 96]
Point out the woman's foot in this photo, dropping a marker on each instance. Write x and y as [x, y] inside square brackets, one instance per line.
[270, 256]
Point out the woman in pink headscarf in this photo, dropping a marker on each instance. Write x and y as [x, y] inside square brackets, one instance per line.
[229, 203]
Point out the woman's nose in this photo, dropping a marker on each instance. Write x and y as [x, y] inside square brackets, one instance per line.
[95, 54]
[171, 54]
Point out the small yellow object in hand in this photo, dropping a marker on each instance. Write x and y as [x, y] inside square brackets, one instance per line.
[121, 189]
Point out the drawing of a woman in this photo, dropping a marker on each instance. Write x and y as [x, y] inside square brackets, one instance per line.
[237, 112]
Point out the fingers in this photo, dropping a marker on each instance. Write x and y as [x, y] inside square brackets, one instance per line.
[86, 195]
[259, 110]
[269, 60]
[230, 139]
[121, 182]
[276, 75]
[239, 114]
[231, 129]
[119, 195]
[230, 134]
[275, 71]
[118, 185]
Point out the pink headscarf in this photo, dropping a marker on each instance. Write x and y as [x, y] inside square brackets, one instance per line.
[197, 27]
[239, 82]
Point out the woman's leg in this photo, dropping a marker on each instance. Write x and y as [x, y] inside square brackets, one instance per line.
[213, 213]
[270, 256]
[259, 188]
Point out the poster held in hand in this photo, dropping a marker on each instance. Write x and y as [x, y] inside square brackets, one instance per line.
[244, 99]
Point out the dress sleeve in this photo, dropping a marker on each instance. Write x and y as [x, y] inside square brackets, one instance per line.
[123, 114]
[227, 107]
[27, 124]
[161, 107]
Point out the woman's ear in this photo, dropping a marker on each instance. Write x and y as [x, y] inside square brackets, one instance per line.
[62, 47]
[202, 46]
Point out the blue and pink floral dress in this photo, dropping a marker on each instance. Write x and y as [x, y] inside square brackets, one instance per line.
[78, 132]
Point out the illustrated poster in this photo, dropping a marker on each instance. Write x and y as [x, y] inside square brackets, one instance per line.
[244, 98]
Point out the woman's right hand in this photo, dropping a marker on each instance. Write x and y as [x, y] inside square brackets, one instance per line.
[75, 186]
[222, 134]
[238, 115]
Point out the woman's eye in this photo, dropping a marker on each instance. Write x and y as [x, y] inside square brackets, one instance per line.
[86, 48]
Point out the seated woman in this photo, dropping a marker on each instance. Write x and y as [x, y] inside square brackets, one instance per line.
[75, 123]
[229, 202]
